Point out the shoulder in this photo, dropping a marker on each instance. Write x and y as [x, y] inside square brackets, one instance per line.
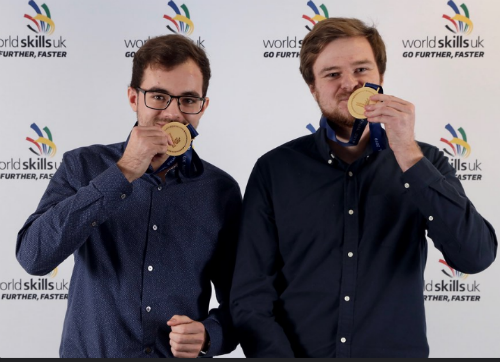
[93, 158]
[214, 173]
[95, 152]
[304, 146]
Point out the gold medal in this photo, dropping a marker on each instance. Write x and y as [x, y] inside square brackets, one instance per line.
[180, 135]
[358, 100]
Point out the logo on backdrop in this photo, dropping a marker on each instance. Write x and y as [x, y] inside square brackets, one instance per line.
[317, 16]
[456, 287]
[40, 41]
[43, 23]
[44, 288]
[41, 147]
[459, 152]
[181, 23]
[458, 41]
[289, 46]
[178, 22]
[458, 23]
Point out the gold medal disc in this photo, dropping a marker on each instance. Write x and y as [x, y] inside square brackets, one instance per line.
[358, 100]
[180, 135]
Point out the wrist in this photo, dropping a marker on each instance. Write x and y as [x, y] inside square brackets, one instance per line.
[206, 345]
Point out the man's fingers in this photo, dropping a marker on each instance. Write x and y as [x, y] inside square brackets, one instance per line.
[179, 319]
[186, 338]
[188, 328]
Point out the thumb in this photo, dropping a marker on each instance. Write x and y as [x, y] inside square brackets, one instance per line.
[178, 319]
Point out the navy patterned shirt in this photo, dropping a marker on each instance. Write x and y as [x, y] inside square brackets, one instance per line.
[143, 252]
[331, 255]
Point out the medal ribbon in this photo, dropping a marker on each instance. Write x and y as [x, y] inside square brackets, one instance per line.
[376, 135]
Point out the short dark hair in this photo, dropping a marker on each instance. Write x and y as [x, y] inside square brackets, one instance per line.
[169, 51]
[328, 30]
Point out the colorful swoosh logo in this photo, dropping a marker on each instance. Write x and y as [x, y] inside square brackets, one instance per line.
[317, 17]
[459, 147]
[452, 272]
[458, 23]
[182, 22]
[42, 22]
[44, 145]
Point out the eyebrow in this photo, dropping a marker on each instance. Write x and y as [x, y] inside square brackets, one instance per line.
[186, 94]
[356, 64]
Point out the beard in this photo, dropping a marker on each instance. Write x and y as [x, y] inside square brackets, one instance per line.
[336, 116]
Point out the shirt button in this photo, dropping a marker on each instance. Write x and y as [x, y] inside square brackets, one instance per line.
[407, 185]
[150, 268]
[330, 162]
[350, 255]
[159, 188]
[431, 218]
[148, 309]
[350, 174]
[343, 340]
[123, 196]
[347, 299]
[94, 224]
[148, 350]
[155, 227]
[351, 212]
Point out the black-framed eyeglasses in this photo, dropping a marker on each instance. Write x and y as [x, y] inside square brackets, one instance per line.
[160, 100]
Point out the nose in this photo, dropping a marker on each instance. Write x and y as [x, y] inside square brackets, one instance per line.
[349, 83]
[173, 112]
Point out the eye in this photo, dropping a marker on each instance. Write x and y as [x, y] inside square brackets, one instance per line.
[361, 70]
[333, 75]
[158, 96]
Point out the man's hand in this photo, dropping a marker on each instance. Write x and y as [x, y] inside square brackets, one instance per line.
[187, 337]
[143, 145]
[398, 117]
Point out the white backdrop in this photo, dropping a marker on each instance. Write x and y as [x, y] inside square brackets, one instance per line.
[257, 102]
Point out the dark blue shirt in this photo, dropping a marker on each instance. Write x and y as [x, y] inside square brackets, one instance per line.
[143, 252]
[331, 256]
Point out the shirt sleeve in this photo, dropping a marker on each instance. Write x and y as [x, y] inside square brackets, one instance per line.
[466, 240]
[258, 264]
[68, 213]
[218, 324]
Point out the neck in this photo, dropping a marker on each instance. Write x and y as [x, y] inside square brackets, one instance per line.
[352, 153]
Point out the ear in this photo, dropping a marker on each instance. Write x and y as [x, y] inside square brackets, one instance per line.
[313, 91]
[205, 105]
[133, 98]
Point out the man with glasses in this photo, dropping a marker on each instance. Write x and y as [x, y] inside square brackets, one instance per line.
[150, 232]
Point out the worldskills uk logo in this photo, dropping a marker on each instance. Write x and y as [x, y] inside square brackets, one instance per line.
[42, 23]
[181, 23]
[38, 44]
[456, 43]
[459, 151]
[289, 46]
[317, 17]
[458, 23]
[44, 146]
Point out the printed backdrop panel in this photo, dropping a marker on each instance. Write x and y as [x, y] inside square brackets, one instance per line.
[65, 70]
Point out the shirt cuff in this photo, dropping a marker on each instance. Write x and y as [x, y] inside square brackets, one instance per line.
[214, 331]
[421, 175]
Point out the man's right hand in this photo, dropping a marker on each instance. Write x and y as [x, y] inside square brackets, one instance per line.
[144, 144]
